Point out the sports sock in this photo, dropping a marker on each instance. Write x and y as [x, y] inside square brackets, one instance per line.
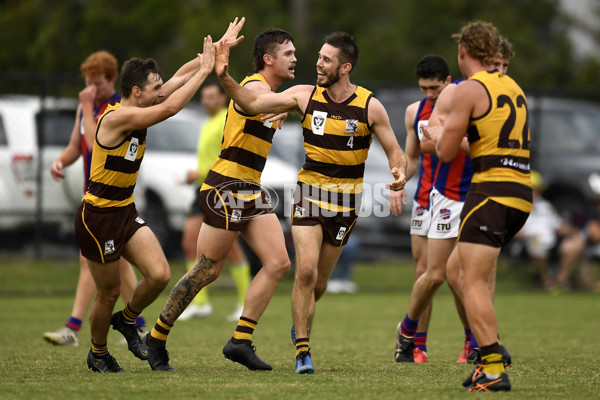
[202, 296]
[492, 360]
[409, 326]
[241, 276]
[129, 316]
[467, 335]
[74, 324]
[99, 350]
[243, 331]
[421, 341]
[473, 344]
[160, 331]
[140, 321]
[301, 345]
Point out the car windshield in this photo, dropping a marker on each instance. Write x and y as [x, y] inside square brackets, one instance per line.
[173, 135]
[570, 132]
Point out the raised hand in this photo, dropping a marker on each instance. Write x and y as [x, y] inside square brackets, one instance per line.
[208, 55]
[231, 36]
[222, 59]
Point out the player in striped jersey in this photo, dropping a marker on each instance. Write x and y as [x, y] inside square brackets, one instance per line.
[100, 73]
[339, 119]
[433, 75]
[233, 201]
[492, 109]
[107, 224]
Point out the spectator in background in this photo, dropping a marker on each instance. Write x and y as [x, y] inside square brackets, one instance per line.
[214, 101]
[541, 233]
[100, 73]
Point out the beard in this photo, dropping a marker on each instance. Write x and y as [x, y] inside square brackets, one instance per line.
[330, 79]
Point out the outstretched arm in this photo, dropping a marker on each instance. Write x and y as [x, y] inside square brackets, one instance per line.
[249, 101]
[186, 71]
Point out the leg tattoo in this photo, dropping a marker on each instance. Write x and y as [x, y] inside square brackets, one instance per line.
[188, 287]
[309, 322]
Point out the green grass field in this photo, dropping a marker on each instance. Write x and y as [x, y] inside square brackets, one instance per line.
[554, 341]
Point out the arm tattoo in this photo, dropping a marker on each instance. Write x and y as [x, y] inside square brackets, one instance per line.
[188, 287]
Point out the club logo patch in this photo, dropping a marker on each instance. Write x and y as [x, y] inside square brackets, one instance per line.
[351, 126]
[341, 233]
[299, 211]
[236, 215]
[109, 247]
[318, 122]
[445, 214]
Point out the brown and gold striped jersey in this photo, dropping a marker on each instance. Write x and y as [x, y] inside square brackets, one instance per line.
[114, 170]
[337, 137]
[246, 144]
[499, 143]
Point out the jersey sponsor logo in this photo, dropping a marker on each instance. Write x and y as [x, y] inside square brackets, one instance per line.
[139, 220]
[318, 122]
[132, 151]
[416, 223]
[445, 214]
[109, 246]
[341, 233]
[236, 215]
[351, 126]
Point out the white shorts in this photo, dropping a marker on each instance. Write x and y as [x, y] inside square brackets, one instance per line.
[420, 220]
[445, 216]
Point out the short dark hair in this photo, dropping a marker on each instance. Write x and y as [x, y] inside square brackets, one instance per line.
[215, 83]
[432, 66]
[266, 42]
[135, 72]
[348, 48]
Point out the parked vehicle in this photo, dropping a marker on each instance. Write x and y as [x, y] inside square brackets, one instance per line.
[32, 135]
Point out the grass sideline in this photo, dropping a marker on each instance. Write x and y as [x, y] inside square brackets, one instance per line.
[553, 340]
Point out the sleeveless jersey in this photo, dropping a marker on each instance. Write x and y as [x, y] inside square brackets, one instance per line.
[499, 143]
[85, 152]
[246, 144]
[429, 162]
[337, 137]
[114, 170]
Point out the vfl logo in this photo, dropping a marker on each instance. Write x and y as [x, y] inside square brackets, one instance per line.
[445, 214]
[299, 211]
[109, 246]
[341, 233]
[236, 216]
[420, 126]
[318, 122]
[351, 126]
[132, 151]
[420, 211]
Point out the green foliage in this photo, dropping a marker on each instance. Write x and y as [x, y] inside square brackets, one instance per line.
[55, 37]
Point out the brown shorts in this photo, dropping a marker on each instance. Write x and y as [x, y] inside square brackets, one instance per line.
[337, 226]
[485, 221]
[103, 232]
[232, 206]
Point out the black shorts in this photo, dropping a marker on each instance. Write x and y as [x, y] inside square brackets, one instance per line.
[485, 221]
[232, 206]
[195, 208]
[103, 232]
[337, 226]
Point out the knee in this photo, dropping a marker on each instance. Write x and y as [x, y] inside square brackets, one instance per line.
[108, 295]
[160, 276]
[306, 275]
[279, 266]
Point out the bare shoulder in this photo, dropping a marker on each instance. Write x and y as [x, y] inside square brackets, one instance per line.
[377, 112]
[411, 110]
[258, 87]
